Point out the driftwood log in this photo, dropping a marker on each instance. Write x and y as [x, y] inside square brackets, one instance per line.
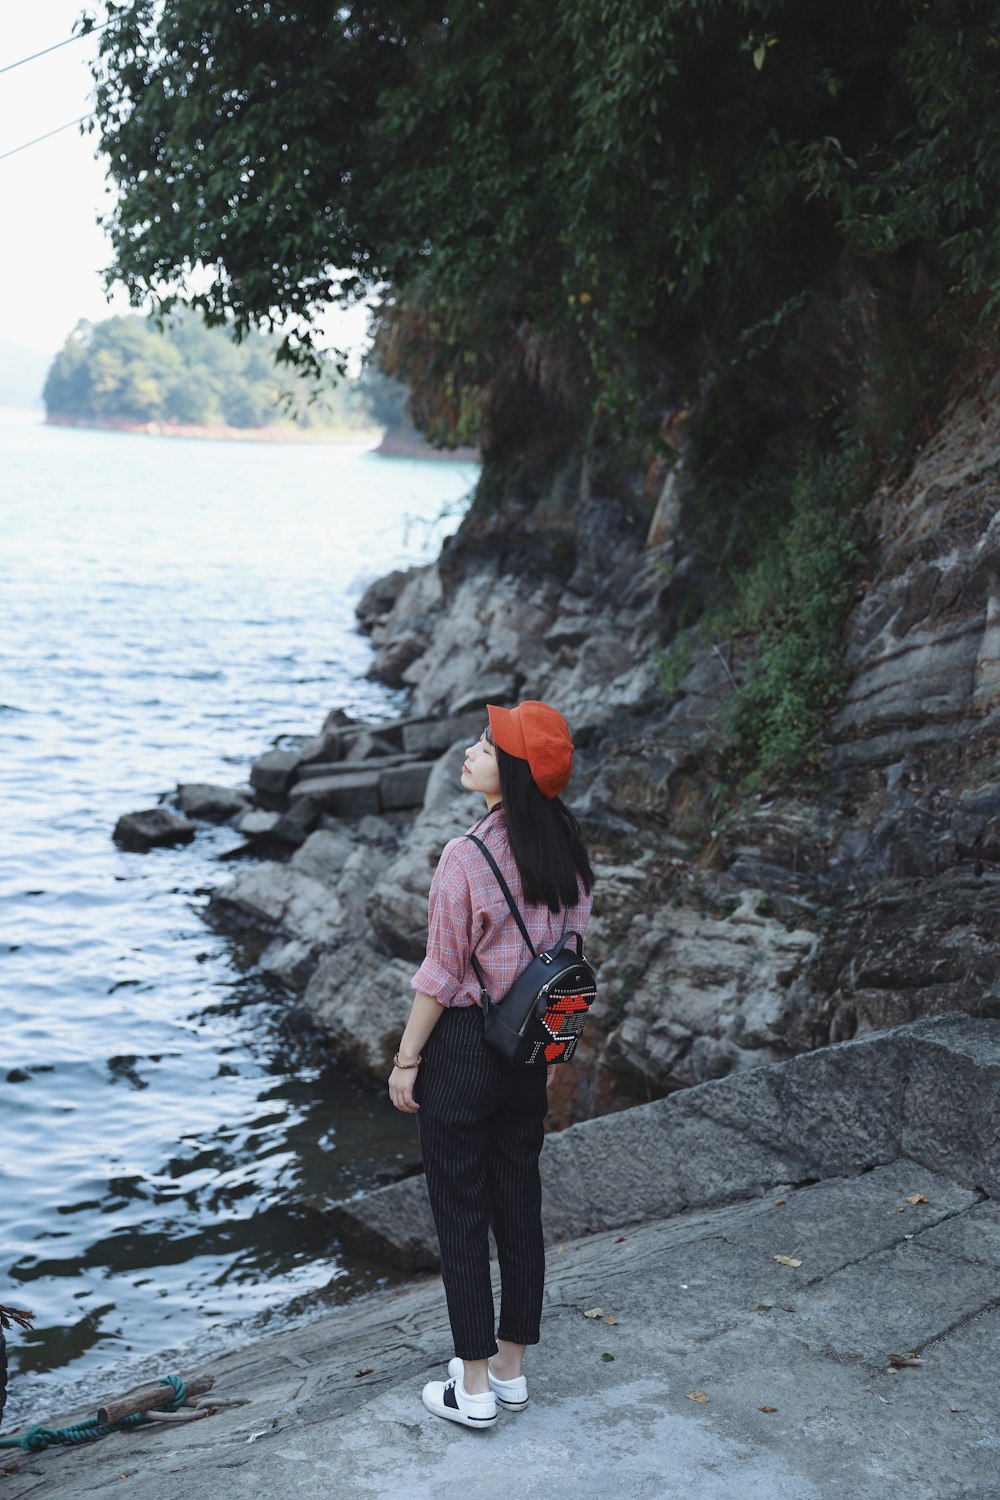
[151, 1398]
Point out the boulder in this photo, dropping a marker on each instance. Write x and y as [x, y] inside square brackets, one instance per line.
[361, 999]
[215, 804]
[282, 901]
[432, 736]
[404, 786]
[323, 855]
[397, 906]
[273, 773]
[294, 826]
[152, 828]
[929, 1092]
[257, 823]
[344, 794]
[501, 690]
[365, 746]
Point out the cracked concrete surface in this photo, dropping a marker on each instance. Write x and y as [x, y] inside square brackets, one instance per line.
[333, 1408]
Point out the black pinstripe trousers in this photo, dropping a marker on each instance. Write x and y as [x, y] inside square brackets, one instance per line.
[480, 1124]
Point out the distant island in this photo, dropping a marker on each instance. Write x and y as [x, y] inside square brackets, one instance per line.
[186, 379]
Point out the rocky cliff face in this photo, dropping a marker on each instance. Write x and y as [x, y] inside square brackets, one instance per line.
[797, 921]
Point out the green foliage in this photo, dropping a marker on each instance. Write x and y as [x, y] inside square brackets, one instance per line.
[791, 604]
[126, 369]
[576, 199]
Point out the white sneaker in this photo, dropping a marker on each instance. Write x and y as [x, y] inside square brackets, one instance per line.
[512, 1394]
[450, 1399]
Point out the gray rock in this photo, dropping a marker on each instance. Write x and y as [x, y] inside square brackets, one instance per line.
[294, 826]
[283, 901]
[257, 823]
[216, 804]
[323, 854]
[840, 1110]
[343, 794]
[273, 773]
[432, 736]
[361, 1000]
[404, 786]
[366, 746]
[501, 690]
[153, 828]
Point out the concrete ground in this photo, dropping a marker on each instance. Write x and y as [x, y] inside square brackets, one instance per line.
[794, 1361]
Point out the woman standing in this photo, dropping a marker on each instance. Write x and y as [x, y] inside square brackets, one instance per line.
[480, 1118]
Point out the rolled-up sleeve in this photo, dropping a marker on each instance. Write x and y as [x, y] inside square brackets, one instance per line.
[450, 935]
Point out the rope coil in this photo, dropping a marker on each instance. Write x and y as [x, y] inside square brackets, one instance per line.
[38, 1438]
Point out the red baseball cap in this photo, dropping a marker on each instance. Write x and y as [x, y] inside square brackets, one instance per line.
[537, 733]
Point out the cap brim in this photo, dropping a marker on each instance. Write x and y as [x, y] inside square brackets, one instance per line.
[506, 731]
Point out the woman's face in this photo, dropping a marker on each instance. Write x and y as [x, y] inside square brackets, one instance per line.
[480, 773]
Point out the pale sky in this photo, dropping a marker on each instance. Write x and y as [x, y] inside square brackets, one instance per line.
[51, 249]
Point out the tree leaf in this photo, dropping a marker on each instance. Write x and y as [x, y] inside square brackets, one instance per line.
[608, 1358]
[594, 1312]
[767, 1408]
[786, 1260]
[759, 54]
[904, 1361]
[610, 1318]
[696, 1395]
[918, 1198]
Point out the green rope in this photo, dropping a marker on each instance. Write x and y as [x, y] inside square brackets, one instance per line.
[38, 1438]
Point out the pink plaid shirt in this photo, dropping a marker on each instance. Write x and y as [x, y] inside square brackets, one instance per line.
[468, 912]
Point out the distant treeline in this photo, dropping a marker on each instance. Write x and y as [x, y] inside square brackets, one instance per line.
[126, 370]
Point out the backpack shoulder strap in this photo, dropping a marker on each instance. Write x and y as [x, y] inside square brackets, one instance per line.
[506, 891]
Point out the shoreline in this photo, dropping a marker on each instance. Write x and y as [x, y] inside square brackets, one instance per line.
[365, 437]
[378, 440]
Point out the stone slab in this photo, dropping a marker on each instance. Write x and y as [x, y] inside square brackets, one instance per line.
[347, 794]
[404, 786]
[333, 1406]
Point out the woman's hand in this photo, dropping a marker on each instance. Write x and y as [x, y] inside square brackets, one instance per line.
[401, 1081]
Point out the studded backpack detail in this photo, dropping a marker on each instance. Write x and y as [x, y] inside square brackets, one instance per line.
[541, 1017]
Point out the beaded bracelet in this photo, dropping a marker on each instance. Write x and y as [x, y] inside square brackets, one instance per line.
[397, 1064]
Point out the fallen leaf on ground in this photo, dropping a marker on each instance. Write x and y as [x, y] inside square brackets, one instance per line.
[779, 1203]
[954, 1408]
[767, 1408]
[697, 1395]
[608, 1358]
[902, 1361]
[786, 1260]
[610, 1318]
[764, 1306]
[594, 1312]
[907, 1236]
[901, 1209]
[918, 1198]
[358, 1373]
[620, 1240]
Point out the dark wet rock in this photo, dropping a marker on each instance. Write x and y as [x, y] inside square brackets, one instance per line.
[274, 772]
[343, 794]
[257, 823]
[432, 736]
[404, 786]
[153, 828]
[215, 804]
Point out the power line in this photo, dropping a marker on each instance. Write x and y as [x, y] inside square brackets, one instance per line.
[55, 47]
[59, 128]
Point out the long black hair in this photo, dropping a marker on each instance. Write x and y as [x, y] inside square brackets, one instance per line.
[544, 838]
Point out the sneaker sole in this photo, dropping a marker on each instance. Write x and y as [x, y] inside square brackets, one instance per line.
[451, 1415]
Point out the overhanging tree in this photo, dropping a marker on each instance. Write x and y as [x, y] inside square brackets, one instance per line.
[574, 205]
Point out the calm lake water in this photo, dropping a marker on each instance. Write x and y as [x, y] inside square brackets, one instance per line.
[168, 609]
